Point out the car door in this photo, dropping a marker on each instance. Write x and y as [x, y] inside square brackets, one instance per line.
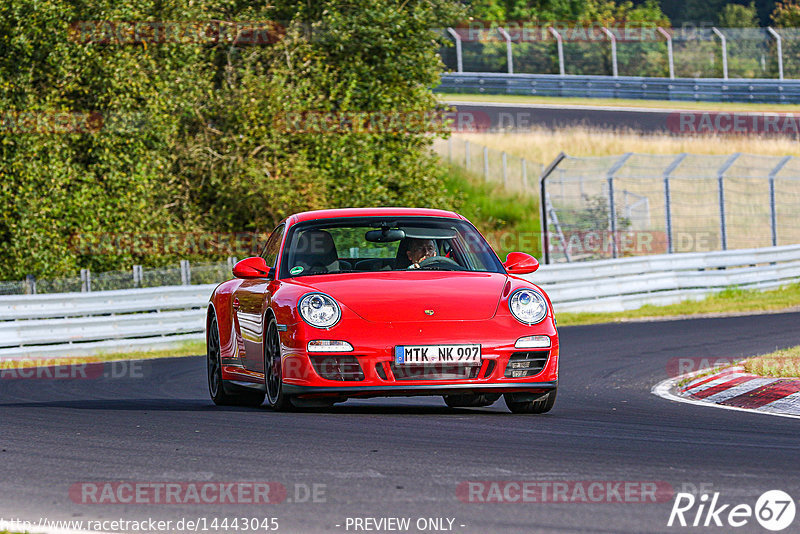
[250, 302]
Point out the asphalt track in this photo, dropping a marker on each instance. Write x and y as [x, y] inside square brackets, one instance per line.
[406, 457]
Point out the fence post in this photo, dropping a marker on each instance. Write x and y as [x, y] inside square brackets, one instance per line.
[560, 44]
[457, 38]
[505, 169]
[524, 174]
[86, 281]
[137, 276]
[668, 200]
[486, 163]
[773, 219]
[509, 57]
[724, 52]
[613, 38]
[30, 285]
[543, 208]
[612, 209]
[670, 57]
[721, 186]
[186, 274]
[778, 41]
[466, 155]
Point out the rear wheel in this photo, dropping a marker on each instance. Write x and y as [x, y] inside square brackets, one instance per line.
[273, 371]
[540, 405]
[216, 386]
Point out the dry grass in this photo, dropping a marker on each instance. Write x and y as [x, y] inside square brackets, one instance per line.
[779, 364]
[543, 145]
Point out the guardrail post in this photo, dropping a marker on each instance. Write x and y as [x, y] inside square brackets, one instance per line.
[543, 209]
[137, 276]
[613, 38]
[86, 281]
[186, 274]
[670, 56]
[505, 169]
[778, 41]
[668, 200]
[560, 45]
[773, 214]
[30, 285]
[457, 38]
[509, 57]
[612, 209]
[724, 52]
[486, 163]
[466, 155]
[721, 186]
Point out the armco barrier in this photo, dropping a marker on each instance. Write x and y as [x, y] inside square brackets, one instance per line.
[632, 87]
[71, 324]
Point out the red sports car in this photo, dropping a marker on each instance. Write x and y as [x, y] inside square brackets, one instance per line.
[354, 303]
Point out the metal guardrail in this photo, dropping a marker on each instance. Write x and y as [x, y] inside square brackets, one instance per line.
[630, 283]
[631, 87]
[74, 324]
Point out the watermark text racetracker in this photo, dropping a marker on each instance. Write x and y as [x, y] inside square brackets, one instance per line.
[69, 369]
[565, 491]
[131, 492]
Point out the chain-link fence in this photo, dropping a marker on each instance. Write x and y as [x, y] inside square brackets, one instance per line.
[636, 204]
[690, 52]
[185, 273]
[494, 166]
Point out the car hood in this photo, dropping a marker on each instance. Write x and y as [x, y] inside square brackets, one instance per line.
[406, 296]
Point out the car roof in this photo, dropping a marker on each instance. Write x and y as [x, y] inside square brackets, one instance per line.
[370, 212]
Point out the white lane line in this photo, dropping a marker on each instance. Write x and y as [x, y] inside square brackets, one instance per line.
[740, 389]
[788, 403]
[663, 390]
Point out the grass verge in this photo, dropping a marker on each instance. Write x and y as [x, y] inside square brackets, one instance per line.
[731, 300]
[618, 102]
[187, 348]
[779, 364]
[508, 220]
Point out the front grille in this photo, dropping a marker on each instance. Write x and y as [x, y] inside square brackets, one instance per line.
[342, 367]
[434, 372]
[524, 364]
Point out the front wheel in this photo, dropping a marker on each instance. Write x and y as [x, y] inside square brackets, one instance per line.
[541, 405]
[216, 386]
[273, 369]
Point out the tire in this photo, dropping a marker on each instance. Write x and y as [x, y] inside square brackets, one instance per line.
[217, 389]
[273, 372]
[471, 401]
[541, 405]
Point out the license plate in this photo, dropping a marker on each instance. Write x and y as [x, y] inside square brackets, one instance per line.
[437, 354]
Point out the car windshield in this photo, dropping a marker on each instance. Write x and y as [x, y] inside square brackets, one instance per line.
[373, 244]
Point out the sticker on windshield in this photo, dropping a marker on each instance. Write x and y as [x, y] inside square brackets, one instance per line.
[296, 270]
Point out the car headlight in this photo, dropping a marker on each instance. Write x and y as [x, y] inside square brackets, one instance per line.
[319, 310]
[527, 306]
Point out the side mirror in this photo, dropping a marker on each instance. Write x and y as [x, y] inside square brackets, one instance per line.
[254, 267]
[520, 263]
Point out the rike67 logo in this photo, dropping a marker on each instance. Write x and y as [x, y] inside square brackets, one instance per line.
[774, 510]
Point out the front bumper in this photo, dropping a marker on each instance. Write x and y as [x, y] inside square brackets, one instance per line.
[418, 390]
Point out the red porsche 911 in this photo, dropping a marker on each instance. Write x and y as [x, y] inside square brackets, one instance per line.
[355, 303]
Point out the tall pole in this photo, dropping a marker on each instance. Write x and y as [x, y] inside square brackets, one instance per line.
[724, 52]
[509, 56]
[670, 57]
[613, 38]
[560, 43]
[778, 40]
[459, 62]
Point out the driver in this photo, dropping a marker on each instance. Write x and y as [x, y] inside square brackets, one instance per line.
[419, 250]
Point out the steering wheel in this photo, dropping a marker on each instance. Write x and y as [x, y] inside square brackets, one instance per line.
[440, 262]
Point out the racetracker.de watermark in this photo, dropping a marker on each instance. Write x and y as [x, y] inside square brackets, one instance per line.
[69, 369]
[135, 32]
[150, 493]
[565, 491]
[528, 31]
[382, 122]
[733, 123]
[157, 243]
[49, 122]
